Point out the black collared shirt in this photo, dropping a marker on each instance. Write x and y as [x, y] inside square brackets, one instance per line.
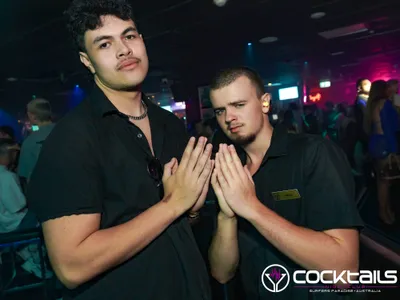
[306, 180]
[95, 161]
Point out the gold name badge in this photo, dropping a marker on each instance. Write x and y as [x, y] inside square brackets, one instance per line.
[286, 195]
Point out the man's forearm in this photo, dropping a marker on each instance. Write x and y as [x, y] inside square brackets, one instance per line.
[107, 248]
[224, 249]
[310, 249]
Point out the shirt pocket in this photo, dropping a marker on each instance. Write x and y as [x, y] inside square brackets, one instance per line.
[290, 209]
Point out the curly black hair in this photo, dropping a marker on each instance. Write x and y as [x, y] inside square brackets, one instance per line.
[83, 15]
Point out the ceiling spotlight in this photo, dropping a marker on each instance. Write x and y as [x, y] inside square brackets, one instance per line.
[249, 44]
[220, 3]
[268, 39]
[318, 15]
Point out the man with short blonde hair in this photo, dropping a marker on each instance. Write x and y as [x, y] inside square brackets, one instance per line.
[40, 115]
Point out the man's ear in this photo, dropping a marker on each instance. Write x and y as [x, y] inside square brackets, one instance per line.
[86, 61]
[266, 102]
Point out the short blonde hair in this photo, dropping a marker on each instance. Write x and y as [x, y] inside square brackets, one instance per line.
[41, 109]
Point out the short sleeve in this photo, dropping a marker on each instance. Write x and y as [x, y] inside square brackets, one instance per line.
[329, 189]
[66, 180]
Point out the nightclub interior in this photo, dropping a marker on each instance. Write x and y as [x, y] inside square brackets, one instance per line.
[317, 59]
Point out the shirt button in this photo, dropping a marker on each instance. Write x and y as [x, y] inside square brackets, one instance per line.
[140, 135]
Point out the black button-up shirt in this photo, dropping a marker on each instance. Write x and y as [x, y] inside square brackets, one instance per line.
[95, 161]
[318, 172]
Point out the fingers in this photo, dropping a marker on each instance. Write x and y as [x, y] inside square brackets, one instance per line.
[206, 186]
[211, 171]
[168, 168]
[225, 163]
[187, 153]
[218, 165]
[196, 153]
[206, 173]
[175, 167]
[236, 162]
[215, 185]
[201, 163]
[221, 179]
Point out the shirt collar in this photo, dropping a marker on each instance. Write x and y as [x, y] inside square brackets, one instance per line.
[104, 107]
[277, 148]
[279, 142]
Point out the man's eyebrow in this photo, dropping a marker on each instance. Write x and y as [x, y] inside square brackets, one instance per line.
[230, 104]
[108, 37]
[130, 28]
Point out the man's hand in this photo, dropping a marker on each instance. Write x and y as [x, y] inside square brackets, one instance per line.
[171, 168]
[236, 182]
[223, 205]
[184, 184]
[200, 202]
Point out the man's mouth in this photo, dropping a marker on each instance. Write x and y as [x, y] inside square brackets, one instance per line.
[128, 64]
[235, 128]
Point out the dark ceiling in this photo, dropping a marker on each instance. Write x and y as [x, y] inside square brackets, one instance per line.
[192, 38]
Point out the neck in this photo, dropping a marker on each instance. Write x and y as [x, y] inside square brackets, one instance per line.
[127, 102]
[257, 149]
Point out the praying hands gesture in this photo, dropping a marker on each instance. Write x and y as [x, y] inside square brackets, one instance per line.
[233, 184]
[187, 183]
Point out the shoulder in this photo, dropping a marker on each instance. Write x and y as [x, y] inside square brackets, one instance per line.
[77, 124]
[28, 141]
[314, 148]
[167, 115]
[170, 119]
[76, 131]
[307, 142]
[8, 177]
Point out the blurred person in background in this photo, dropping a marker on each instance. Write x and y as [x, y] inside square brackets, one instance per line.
[12, 201]
[363, 87]
[392, 89]
[310, 120]
[347, 133]
[381, 123]
[7, 132]
[39, 114]
[290, 122]
[297, 117]
[393, 93]
[14, 212]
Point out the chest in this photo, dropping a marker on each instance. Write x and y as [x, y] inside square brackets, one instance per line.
[125, 156]
[280, 186]
[144, 128]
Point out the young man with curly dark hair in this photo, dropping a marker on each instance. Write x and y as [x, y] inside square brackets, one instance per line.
[115, 223]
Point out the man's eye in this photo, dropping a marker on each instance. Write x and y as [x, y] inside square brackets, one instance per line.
[104, 45]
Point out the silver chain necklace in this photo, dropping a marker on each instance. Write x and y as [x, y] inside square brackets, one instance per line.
[141, 117]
